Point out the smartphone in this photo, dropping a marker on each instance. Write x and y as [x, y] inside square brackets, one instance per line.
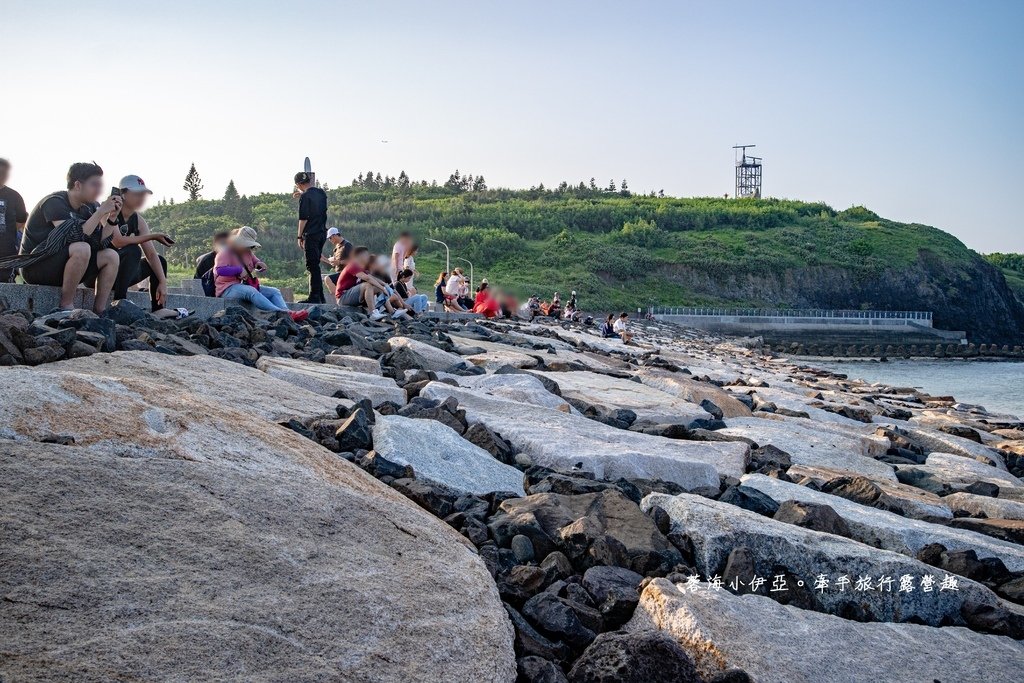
[115, 192]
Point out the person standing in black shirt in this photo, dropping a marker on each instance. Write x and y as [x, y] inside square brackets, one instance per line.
[12, 220]
[312, 232]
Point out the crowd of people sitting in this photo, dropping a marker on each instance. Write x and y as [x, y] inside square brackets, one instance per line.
[73, 238]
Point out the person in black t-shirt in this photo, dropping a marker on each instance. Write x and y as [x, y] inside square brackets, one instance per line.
[134, 243]
[312, 232]
[12, 220]
[204, 264]
[63, 238]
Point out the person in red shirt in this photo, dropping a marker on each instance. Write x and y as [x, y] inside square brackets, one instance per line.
[485, 303]
[356, 286]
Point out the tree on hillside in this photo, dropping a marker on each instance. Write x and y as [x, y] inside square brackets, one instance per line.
[193, 183]
[611, 186]
[231, 193]
[403, 181]
[593, 183]
[454, 181]
[624, 190]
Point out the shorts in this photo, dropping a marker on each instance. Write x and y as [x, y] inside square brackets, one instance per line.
[333, 277]
[353, 296]
[50, 270]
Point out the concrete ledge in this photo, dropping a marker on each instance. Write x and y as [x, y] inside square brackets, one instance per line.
[41, 299]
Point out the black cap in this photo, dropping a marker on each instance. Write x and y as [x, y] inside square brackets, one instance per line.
[301, 178]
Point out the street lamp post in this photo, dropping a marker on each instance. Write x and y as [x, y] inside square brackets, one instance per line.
[470, 271]
[447, 260]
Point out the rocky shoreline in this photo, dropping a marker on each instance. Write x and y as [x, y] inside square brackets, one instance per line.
[245, 498]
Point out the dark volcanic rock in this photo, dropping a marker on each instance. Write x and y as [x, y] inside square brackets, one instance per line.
[812, 516]
[355, 432]
[1011, 530]
[479, 434]
[529, 641]
[604, 528]
[560, 619]
[615, 591]
[538, 670]
[750, 499]
[641, 657]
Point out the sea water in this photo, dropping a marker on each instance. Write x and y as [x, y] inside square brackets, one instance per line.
[996, 385]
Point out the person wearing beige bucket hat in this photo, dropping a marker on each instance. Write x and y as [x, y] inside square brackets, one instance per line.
[235, 273]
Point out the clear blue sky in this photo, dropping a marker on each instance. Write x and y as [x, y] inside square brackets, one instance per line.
[913, 109]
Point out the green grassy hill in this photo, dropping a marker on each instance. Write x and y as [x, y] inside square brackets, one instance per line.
[621, 251]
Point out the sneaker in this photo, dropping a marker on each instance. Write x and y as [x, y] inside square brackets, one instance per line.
[376, 315]
[400, 314]
[299, 316]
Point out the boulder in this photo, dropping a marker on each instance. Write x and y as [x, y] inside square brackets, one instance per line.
[431, 357]
[615, 590]
[945, 472]
[935, 440]
[437, 453]
[817, 445]
[1009, 530]
[564, 441]
[888, 530]
[776, 643]
[186, 535]
[521, 388]
[332, 380]
[801, 556]
[367, 366]
[693, 391]
[651, 405]
[816, 516]
[635, 657]
[885, 495]
[592, 529]
[978, 506]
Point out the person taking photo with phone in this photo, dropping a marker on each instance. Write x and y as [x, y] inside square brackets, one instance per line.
[130, 236]
[62, 245]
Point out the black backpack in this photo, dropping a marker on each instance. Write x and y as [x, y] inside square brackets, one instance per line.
[209, 283]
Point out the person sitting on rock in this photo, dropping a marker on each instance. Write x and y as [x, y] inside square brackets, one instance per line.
[608, 328]
[485, 303]
[204, 264]
[530, 308]
[235, 269]
[443, 292]
[133, 241]
[417, 302]
[389, 301]
[62, 244]
[337, 260]
[621, 329]
[357, 286]
[410, 264]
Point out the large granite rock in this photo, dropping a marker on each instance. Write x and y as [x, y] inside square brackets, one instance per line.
[803, 555]
[186, 536]
[322, 378]
[777, 643]
[496, 355]
[801, 400]
[651, 405]
[437, 453]
[944, 471]
[564, 441]
[977, 506]
[934, 440]
[520, 388]
[817, 444]
[888, 530]
[432, 357]
[693, 391]
[904, 500]
[367, 366]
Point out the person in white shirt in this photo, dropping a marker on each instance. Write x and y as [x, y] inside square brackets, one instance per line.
[620, 328]
[410, 264]
[398, 254]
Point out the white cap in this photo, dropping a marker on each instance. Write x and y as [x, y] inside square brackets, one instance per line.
[133, 183]
[331, 232]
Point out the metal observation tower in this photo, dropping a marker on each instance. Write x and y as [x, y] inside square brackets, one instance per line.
[748, 174]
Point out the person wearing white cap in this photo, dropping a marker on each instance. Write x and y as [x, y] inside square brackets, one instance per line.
[129, 234]
[337, 260]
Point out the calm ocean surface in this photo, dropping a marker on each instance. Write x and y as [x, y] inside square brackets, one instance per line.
[999, 386]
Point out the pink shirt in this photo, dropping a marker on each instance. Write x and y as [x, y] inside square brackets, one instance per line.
[228, 270]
